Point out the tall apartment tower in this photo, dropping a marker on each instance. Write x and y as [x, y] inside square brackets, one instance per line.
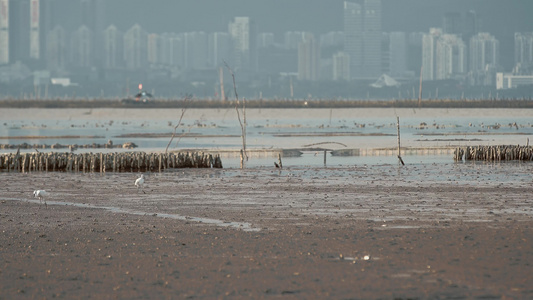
[362, 29]
[219, 48]
[429, 52]
[308, 59]
[23, 28]
[195, 50]
[56, 49]
[523, 45]
[4, 32]
[471, 25]
[135, 48]
[93, 17]
[113, 48]
[451, 57]
[153, 51]
[82, 46]
[398, 53]
[35, 42]
[242, 32]
[484, 59]
[452, 23]
[341, 66]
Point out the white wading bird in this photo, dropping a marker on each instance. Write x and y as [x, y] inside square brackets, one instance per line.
[41, 194]
[139, 182]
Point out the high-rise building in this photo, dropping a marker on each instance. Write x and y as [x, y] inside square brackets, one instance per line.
[135, 48]
[56, 49]
[332, 39]
[81, 49]
[398, 53]
[451, 57]
[452, 23]
[308, 59]
[293, 38]
[4, 32]
[195, 50]
[429, 51]
[523, 45]
[484, 59]
[341, 66]
[19, 31]
[93, 16]
[23, 28]
[241, 30]
[265, 39]
[113, 40]
[35, 43]
[471, 25]
[154, 46]
[362, 29]
[174, 44]
[219, 45]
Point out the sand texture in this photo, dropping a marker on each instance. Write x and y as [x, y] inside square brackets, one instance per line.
[458, 231]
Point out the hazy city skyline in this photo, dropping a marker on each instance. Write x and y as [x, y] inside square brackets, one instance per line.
[500, 18]
[165, 41]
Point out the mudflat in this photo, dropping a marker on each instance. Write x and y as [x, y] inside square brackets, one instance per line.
[451, 231]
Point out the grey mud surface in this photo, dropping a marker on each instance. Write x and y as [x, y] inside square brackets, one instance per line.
[441, 231]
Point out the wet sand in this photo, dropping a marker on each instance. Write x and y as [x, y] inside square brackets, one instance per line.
[458, 231]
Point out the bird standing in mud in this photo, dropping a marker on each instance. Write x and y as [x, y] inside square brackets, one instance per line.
[41, 194]
[139, 183]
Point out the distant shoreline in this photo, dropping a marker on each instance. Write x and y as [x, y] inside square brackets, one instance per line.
[265, 103]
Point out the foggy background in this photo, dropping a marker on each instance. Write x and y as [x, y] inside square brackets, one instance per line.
[499, 18]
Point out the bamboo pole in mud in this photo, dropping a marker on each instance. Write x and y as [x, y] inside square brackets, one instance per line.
[399, 151]
[325, 157]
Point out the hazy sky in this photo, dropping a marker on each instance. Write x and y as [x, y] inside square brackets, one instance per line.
[499, 17]
[319, 16]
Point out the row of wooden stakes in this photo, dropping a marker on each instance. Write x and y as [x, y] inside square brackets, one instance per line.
[494, 153]
[105, 162]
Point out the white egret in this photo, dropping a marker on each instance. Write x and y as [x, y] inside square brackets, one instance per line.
[41, 194]
[139, 182]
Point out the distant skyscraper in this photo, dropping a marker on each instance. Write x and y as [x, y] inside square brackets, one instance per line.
[19, 31]
[23, 28]
[219, 49]
[135, 48]
[154, 46]
[93, 16]
[523, 44]
[451, 57]
[195, 47]
[429, 53]
[240, 31]
[471, 25]
[308, 59]
[414, 52]
[265, 39]
[397, 53]
[293, 38]
[362, 29]
[451, 23]
[4, 32]
[341, 66]
[82, 47]
[56, 57]
[113, 41]
[484, 59]
[35, 42]
[332, 39]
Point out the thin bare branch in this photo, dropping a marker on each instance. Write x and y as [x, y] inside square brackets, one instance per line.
[243, 126]
[187, 101]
